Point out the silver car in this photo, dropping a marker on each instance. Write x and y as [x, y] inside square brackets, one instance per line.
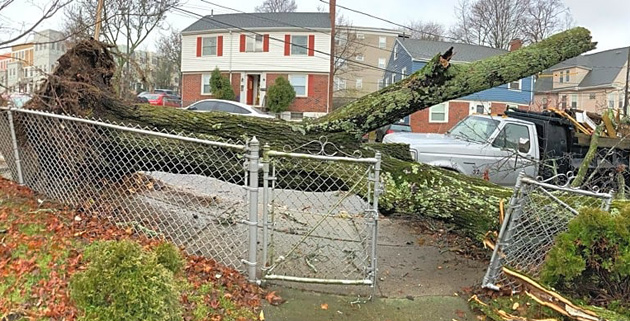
[232, 107]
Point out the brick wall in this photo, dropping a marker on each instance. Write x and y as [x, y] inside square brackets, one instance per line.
[419, 121]
[191, 87]
[317, 91]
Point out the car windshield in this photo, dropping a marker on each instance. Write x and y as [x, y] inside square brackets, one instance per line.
[474, 128]
[152, 96]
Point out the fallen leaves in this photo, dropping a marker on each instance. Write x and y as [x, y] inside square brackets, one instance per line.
[42, 248]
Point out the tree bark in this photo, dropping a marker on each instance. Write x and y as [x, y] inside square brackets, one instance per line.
[411, 188]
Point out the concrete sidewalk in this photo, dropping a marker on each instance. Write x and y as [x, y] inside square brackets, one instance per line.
[306, 306]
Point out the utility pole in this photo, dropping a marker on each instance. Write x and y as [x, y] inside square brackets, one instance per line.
[625, 101]
[332, 8]
[97, 28]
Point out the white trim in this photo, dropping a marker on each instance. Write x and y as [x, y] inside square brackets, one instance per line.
[520, 86]
[216, 46]
[473, 107]
[384, 62]
[305, 83]
[446, 107]
[379, 42]
[209, 93]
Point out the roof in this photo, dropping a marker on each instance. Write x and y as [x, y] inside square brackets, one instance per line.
[287, 20]
[604, 67]
[427, 49]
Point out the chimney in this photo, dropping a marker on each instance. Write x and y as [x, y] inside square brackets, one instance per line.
[515, 44]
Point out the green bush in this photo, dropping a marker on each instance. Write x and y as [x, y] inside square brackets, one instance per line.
[220, 86]
[591, 260]
[169, 257]
[280, 95]
[125, 282]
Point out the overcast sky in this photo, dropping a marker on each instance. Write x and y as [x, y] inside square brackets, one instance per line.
[608, 20]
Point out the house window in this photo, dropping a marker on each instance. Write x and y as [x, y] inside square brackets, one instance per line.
[438, 113]
[515, 85]
[574, 99]
[341, 38]
[611, 100]
[209, 46]
[381, 62]
[386, 81]
[566, 78]
[359, 84]
[340, 63]
[382, 42]
[205, 84]
[591, 96]
[299, 45]
[297, 115]
[563, 102]
[404, 72]
[393, 78]
[561, 76]
[480, 109]
[395, 52]
[360, 36]
[299, 84]
[545, 102]
[254, 43]
[339, 84]
[379, 85]
[360, 57]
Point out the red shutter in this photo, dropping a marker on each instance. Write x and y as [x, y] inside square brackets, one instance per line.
[287, 45]
[220, 46]
[266, 43]
[311, 45]
[242, 43]
[198, 46]
[309, 85]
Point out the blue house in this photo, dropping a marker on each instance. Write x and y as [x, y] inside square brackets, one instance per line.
[410, 55]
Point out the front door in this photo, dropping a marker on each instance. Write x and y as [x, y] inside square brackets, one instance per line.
[250, 89]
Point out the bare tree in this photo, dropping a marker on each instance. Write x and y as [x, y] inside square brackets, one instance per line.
[125, 22]
[277, 6]
[425, 30]
[169, 50]
[492, 23]
[10, 34]
[348, 50]
[544, 18]
[495, 23]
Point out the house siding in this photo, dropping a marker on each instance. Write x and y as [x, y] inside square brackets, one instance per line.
[272, 61]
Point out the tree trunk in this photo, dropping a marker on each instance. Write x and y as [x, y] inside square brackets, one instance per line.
[82, 86]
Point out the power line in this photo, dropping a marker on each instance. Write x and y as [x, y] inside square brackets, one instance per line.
[292, 25]
[283, 41]
[391, 22]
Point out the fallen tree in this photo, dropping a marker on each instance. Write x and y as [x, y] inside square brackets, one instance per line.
[81, 85]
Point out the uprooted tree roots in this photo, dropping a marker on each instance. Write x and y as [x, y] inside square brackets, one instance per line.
[81, 83]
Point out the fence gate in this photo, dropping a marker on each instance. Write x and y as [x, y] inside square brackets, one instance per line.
[320, 217]
[538, 211]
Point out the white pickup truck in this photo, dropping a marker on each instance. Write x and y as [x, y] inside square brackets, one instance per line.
[496, 148]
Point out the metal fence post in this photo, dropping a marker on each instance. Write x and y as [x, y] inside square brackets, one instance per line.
[489, 280]
[254, 166]
[377, 193]
[16, 151]
[265, 213]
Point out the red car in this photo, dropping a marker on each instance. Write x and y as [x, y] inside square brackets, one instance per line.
[162, 99]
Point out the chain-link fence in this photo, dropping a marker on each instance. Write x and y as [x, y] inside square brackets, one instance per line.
[321, 222]
[538, 211]
[187, 190]
[318, 210]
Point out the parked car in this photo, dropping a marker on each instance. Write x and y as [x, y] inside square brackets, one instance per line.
[162, 99]
[499, 148]
[166, 91]
[378, 134]
[226, 106]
